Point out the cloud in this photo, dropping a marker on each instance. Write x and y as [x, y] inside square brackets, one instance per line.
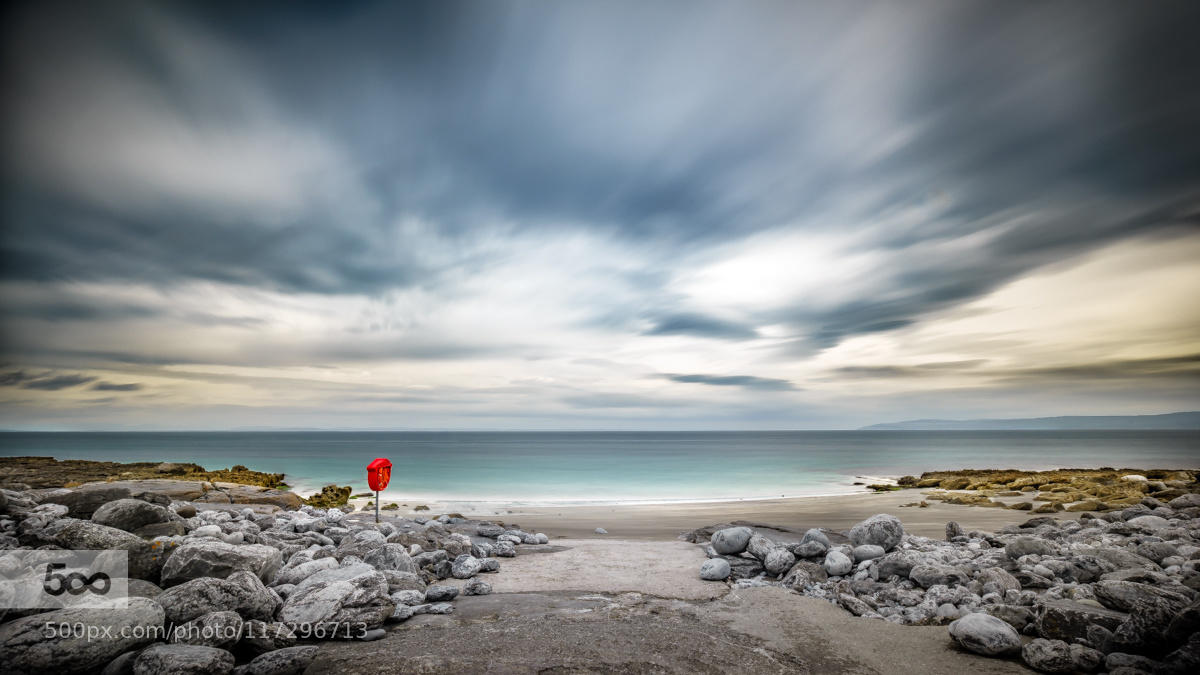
[56, 382]
[700, 326]
[13, 378]
[569, 203]
[111, 386]
[618, 400]
[744, 381]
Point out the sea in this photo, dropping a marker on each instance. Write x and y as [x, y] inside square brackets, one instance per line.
[564, 468]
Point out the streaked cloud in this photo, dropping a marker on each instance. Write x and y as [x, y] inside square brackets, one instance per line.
[442, 214]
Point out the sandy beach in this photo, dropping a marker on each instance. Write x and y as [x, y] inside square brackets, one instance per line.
[667, 521]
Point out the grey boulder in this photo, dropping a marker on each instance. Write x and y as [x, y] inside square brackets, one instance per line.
[145, 561]
[715, 569]
[390, 557]
[294, 574]
[477, 586]
[867, 552]
[985, 634]
[1028, 546]
[809, 549]
[731, 540]
[932, 574]
[440, 593]
[881, 530]
[778, 561]
[1048, 656]
[215, 629]
[350, 595]
[130, 514]
[837, 564]
[211, 558]
[287, 661]
[241, 592]
[27, 647]
[465, 566]
[180, 659]
[259, 637]
[759, 546]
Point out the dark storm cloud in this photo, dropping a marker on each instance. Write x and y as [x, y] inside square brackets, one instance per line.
[13, 378]
[1185, 367]
[700, 326]
[56, 382]
[1053, 129]
[743, 381]
[113, 386]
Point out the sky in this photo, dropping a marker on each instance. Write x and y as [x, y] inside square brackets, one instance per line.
[596, 215]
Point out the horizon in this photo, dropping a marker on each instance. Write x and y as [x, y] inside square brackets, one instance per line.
[620, 217]
[870, 427]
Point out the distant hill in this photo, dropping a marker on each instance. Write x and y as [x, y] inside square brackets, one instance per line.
[1179, 420]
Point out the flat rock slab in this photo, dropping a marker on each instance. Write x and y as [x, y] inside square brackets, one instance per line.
[753, 630]
[665, 569]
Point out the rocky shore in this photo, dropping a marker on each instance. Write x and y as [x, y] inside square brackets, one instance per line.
[278, 586]
[218, 589]
[1119, 592]
[1073, 490]
[46, 472]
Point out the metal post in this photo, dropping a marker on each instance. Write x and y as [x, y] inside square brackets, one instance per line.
[377, 506]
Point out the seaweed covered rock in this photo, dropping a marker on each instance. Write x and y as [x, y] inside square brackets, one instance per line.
[330, 496]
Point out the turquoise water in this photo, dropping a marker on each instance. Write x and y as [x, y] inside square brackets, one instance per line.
[584, 467]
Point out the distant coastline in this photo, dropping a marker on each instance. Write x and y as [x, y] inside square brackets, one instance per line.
[1179, 421]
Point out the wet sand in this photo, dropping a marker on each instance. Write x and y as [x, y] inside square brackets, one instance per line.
[667, 521]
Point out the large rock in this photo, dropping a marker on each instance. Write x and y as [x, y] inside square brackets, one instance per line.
[1048, 656]
[802, 574]
[1130, 597]
[778, 561]
[1151, 612]
[896, 563]
[816, 535]
[215, 629]
[1189, 500]
[881, 530]
[259, 637]
[288, 661]
[26, 646]
[294, 574]
[731, 540]
[465, 566]
[1028, 546]
[759, 546]
[179, 659]
[145, 558]
[130, 514]
[241, 592]
[715, 569]
[83, 501]
[837, 564]
[1068, 620]
[996, 580]
[1148, 523]
[211, 558]
[985, 634]
[391, 557]
[932, 574]
[351, 595]
[867, 552]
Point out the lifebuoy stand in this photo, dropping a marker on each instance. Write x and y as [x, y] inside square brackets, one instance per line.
[379, 472]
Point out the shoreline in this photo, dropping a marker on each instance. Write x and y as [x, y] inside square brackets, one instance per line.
[668, 521]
